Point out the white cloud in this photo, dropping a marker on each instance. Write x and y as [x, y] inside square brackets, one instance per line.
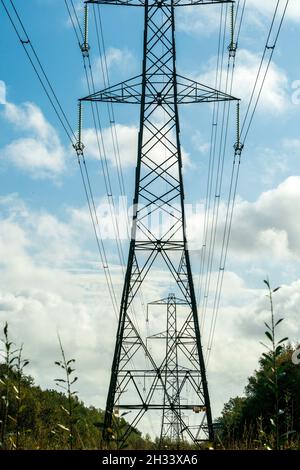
[274, 96]
[265, 233]
[267, 7]
[199, 21]
[205, 21]
[240, 329]
[40, 152]
[28, 117]
[117, 57]
[45, 287]
[119, 62]
[268, 227]
[35, 157]
[2, 92]
[79, 12]
[199, 143]
[127, 143]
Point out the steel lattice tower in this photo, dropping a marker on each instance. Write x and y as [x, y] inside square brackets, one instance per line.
[171, 421]
[158, 188]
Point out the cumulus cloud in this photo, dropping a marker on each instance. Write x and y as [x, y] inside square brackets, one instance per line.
[127, 143]
[206, 21]
[267, 7]
[199, 21]
[49, 282]
[119, 62]
[264, 234]
[39, 152]
[268, 227]
[239, 331]
[274, 96]
[35, 157]
[46, 287]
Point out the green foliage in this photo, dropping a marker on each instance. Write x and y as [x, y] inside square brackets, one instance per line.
[273, 367]
[250, 419]
[12, 362]
[66, 384]
[268, 417]
[32, 418]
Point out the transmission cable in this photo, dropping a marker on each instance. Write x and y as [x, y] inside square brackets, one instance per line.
[229, 214]
[70, 134]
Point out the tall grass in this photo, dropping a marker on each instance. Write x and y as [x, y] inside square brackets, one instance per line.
[66, 384]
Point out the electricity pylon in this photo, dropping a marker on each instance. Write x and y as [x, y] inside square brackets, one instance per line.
[171, 423]
[158, 189]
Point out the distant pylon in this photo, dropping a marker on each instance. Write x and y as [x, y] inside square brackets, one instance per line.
[171, 424]
[158, 189]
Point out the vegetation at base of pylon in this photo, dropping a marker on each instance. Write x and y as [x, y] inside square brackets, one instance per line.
[32, 418]
[66, 384]
[248, 422]
[267, 417]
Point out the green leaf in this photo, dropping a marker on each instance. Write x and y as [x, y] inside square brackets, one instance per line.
[263, 344]
[74, 380]
[267, 326]
[60, 380]
[267, 283]
[267, 357]
[71, 360]
[63, 427]
[65, 410]
[57, 363]
[268, 335]
[278, 350]
[282, 340]
[275, 290]
[5, 329]
[279, 321]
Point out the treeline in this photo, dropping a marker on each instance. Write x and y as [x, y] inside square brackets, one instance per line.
[268, 416]
[32, 418]
[36, 419]
[256, 421]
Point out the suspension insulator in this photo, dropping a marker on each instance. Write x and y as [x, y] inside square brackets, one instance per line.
[238, 146]
[78, 146]
[233, 45]
[85, 48]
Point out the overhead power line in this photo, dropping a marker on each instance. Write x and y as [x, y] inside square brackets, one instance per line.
[22, 34]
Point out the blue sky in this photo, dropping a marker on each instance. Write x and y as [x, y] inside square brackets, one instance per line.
[49, 267]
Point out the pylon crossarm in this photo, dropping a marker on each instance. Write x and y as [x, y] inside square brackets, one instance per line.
[162, 3]
[188, 91]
